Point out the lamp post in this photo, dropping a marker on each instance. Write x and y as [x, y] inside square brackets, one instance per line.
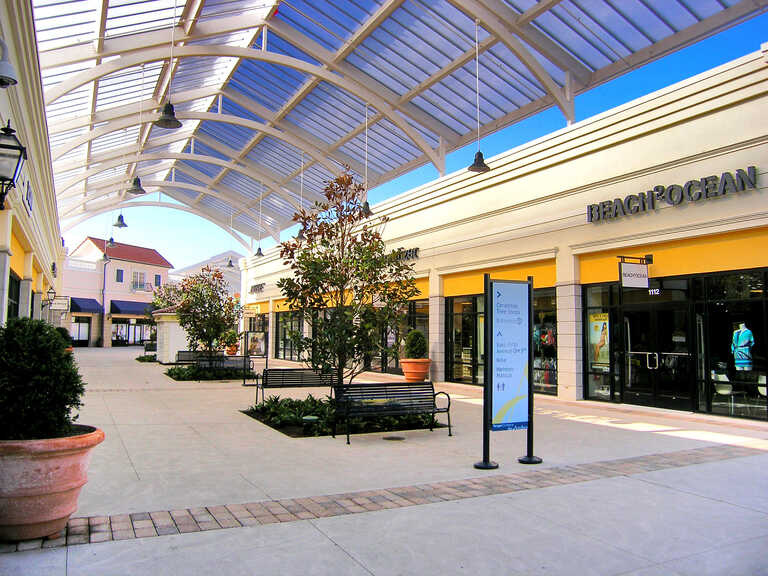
[51, 295]
[12, 156]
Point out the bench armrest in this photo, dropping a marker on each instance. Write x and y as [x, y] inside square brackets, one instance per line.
[447, 396]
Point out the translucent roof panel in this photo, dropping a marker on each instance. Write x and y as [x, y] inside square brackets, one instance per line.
[297, 79]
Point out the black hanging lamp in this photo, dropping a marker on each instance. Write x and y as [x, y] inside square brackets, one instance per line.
[168, 118]
[300, 236]
[120, 222]
[479, 164]
[367, 212]
[229, 264]
[136, 188]
[259, 253]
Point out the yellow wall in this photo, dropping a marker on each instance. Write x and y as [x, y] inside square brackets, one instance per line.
[731, 251]
[258, 307]
[423, 285]
[471, 282]
[17, 256]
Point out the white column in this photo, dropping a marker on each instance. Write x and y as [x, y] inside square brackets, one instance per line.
[5, 260]
[570, 379]
[436, 327]
[25, 291]
[37, 299]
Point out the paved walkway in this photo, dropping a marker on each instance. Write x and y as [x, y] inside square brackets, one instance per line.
[622, 490]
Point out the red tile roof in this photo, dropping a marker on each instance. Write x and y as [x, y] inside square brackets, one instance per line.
[131, 253]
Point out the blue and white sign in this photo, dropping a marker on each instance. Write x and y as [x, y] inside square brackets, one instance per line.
[511, 340]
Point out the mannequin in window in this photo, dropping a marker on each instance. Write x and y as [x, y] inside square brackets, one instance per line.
[741, 347]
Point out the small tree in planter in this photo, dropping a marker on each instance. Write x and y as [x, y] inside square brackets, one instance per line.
[43, 454]
[415, 363]
[205, 310]
[345, 283]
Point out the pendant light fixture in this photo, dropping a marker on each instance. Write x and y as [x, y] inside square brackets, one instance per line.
[366, 207]
[229, 263]
[136, 188]
[300, 236]
[168, 118]
[259, 253]
[120, 222]
[479, 164]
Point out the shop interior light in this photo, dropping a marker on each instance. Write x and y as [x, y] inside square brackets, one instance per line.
[479, 164]
[12, 156]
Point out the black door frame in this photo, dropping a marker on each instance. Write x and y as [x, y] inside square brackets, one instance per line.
[655, 310]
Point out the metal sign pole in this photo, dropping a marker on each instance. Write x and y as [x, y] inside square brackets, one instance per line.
[487, 463]
[529, 458]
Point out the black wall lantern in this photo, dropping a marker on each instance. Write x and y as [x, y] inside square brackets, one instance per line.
[12, 156]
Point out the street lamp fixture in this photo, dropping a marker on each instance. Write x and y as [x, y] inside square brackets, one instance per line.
[51, 294]
[12, 156]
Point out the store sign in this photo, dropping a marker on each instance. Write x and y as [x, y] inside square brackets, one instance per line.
[675, 195]
[60, 303]
[510, 354]
[410, 254]
[633, 275]
[256, 288]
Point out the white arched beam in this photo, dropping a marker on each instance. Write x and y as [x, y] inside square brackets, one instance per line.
[316, 153]
[117, 161]
[223, 51]
[172, 206]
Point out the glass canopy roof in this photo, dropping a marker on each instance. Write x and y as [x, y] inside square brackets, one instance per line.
[274, 98]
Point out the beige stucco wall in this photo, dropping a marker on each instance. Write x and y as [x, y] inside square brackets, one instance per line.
[531, 206]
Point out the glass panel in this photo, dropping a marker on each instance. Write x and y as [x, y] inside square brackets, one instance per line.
[545, 341]
[599, 295]
[675, 360]
[599, 386]
[740, 286]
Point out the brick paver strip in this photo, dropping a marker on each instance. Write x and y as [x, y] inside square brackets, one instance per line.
[164, 522]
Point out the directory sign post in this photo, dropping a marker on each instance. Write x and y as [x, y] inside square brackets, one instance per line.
[508, 376]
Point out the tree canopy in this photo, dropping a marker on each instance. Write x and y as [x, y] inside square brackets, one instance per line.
[345, 283]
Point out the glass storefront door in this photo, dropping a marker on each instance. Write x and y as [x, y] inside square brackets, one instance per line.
[658, 359]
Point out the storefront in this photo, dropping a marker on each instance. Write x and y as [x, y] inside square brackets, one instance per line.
[679, 175]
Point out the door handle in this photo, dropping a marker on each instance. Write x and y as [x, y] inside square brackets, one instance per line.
[648, 361]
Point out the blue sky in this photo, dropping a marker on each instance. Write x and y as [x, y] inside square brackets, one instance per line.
[184, 239]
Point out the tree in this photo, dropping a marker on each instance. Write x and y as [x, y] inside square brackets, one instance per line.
[345, 284]
[166, 296]
[205, 310]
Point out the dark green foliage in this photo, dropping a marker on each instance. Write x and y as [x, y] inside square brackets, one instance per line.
[196, 373]
[147, 358]
[64, 333]
[285, 414]
[415, 344]
[40, 385]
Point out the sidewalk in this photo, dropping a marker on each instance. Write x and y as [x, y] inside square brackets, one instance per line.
[185, 483]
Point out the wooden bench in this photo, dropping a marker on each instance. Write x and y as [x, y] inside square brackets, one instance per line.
[388, 399]
[291, 378]
[186, 356]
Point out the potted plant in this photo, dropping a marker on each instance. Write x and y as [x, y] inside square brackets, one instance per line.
[43, 455]
[415, 363]
[230, 339]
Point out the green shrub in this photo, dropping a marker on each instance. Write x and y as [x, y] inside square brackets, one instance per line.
[40, 385]
[64, 333]
[194, 372]
[286, 414]
[415, 344]
[147, 358]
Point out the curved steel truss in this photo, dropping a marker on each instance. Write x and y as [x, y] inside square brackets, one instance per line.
[271, 94]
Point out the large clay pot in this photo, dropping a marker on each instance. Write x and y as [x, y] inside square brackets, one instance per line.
[415, 369]
[40, 481]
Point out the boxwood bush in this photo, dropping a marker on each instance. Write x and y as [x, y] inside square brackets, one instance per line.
[40, 385]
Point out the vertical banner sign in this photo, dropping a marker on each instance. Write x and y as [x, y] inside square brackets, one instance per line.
[510, 354]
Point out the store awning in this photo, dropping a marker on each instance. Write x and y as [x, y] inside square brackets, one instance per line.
[128, 307]
[85, 305]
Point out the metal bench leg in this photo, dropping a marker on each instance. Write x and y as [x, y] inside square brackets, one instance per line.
[432, 421]
[449, 422]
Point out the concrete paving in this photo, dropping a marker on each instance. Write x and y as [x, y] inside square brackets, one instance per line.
[622, 490]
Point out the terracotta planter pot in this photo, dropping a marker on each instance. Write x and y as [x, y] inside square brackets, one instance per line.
[40, 481]
[232, 350]
[415, 369]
